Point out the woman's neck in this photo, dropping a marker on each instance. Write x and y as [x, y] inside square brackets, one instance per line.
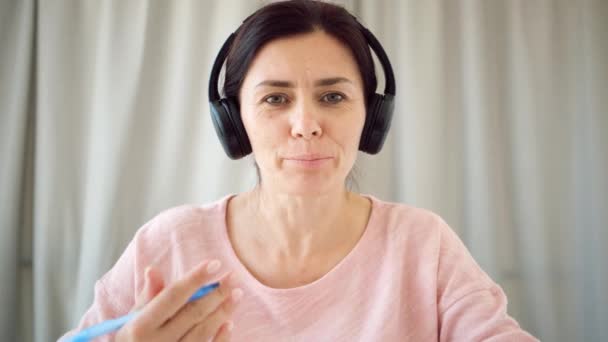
[299, 226]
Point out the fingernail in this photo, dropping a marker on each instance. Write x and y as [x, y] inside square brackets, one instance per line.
[237, 294]
[230, 325]
[213, 266]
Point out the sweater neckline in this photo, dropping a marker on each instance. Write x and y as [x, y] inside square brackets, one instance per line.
[340, 271]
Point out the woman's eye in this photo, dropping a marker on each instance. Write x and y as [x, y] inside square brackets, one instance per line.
[333, 97]
[275, 99]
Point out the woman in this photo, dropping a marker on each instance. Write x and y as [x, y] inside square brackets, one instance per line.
[299, 257]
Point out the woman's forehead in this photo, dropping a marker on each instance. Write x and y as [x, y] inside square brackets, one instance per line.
[312, 56]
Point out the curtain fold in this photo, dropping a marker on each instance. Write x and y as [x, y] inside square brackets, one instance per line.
[500, 127]
[17, 106]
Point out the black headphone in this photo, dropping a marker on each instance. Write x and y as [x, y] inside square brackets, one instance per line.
[229, 127]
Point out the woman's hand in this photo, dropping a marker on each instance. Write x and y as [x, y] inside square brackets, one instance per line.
[166, 315]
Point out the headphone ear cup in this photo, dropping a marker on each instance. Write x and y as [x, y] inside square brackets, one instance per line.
[229, 127]
[377, 123]
[234, 114]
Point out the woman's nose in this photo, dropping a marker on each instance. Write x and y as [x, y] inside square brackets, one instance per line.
[305, 124]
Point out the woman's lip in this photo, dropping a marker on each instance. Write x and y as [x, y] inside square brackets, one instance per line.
[308, 162]
[307, 158]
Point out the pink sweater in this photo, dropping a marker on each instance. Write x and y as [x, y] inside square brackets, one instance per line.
[409, 278]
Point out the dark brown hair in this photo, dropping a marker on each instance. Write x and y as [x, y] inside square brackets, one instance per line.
[289, 18]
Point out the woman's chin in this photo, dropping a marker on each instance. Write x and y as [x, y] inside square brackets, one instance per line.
[311, 186]
[296, 181]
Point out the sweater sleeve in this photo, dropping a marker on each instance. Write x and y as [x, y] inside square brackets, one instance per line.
[471, 306]
[103, 308]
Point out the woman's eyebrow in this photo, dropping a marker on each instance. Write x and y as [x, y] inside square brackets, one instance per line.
[332, 81]
[318, 83]
[276, 83]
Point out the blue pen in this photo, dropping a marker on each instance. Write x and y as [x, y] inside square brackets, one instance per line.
[115, 324]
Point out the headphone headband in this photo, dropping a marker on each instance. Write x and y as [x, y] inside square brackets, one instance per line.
[389, 87]
[214, 94]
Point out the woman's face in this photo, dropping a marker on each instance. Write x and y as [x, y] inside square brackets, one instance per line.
[303, 107]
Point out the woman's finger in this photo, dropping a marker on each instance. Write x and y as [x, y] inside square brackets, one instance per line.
[210, 325]
[225, 332]
[173, 297]
[153, 285]
[201, 310]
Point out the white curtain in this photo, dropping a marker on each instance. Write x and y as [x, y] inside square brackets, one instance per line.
[500, 127]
